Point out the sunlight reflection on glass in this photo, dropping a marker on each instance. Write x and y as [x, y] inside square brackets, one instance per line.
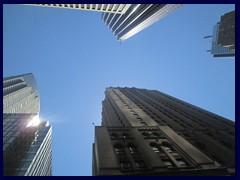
[34, 122]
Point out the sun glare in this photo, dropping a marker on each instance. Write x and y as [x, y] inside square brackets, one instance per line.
[34, 122]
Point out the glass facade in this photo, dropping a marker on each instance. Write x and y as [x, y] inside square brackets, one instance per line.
[27, 145]
[27, 141]
[20, 94]
[217, 49]
[137, 18]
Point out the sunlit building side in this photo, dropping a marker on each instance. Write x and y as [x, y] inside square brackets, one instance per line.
[147, 132]
[20, 94]
[27, 145]
[27, 140]
[136, 18]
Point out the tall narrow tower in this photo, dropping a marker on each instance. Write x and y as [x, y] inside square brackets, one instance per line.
[146, 132]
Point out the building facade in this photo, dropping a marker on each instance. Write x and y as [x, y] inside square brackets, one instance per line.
[223, 38]
[226, 37]
[147, 132]
[20, 94]
[109, 8]
[27, 145]
[27, 140]
[136, 18]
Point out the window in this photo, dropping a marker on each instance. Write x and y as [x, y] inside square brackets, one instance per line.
[143, 123]
[156, 134]
[119, 149]
[125, 165]
[114, 135]
[132, 149]
[140, 164]
[182, 163]
[125, 135]
[167, 163]
[145, 134]
[166, 146]
[155, 149]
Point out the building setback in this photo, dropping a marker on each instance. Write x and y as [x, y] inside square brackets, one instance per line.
[27, 140]
[136, 18]
[147, 132]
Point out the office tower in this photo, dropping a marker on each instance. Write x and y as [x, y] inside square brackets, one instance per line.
[27, 140]
[147, 132]
[27, 145]
[226, 37]
[223, 39]
[110, 8]
[20, 94]
[136, 18]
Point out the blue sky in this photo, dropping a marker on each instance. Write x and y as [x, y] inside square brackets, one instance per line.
[74, 57]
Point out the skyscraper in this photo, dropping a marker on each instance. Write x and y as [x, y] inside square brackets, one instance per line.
[226, 37]
[223, 39]
[27, 140]
[110, 8]
[136, 18]
[20, 94]
[147, 132]
[27, 145]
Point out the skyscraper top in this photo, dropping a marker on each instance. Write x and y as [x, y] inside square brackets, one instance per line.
[20, 94]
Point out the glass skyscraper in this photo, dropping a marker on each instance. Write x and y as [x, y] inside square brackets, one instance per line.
[136, 18]
[20, 94]
[27, 140]
[147, 132]
[27, 145]
[111, 8]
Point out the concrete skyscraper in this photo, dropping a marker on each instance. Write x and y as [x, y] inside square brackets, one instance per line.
[27, 140]
[147, 132]
[136, 18]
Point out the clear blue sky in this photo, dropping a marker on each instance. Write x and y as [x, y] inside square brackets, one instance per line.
[74, 57]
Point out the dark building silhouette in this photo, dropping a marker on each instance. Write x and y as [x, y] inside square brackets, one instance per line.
[223, 38]
[136, 18]
[226, 36]
[146, 132]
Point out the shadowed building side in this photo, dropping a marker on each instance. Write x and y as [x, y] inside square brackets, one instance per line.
[149, 117]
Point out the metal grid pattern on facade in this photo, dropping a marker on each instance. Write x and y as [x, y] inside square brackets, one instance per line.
[109, 8]
[137, 18]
